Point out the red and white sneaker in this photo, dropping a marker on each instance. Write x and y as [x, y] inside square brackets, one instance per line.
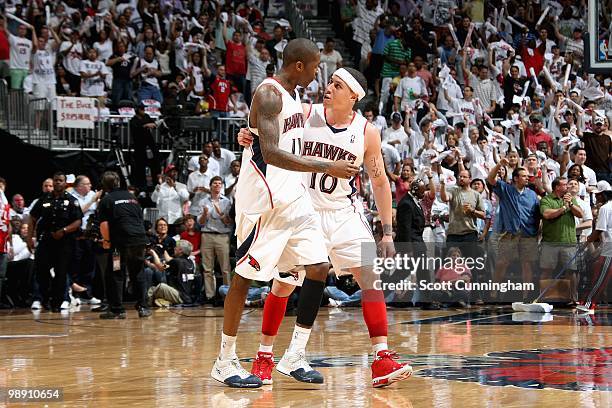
[263, 366]
[386, 371]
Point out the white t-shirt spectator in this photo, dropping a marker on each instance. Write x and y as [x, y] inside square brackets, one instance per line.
[331, 60]
[394, 136]
[588, 216]
[225, 161]
[391, 156]
[146, 78]
[21, 52]
[407, 90]
[72, 60]
[105, 50]
[93, 86]
[604, 224]
[194, 164]
[42, 68]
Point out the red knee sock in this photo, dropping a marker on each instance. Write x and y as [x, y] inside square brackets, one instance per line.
[273, 313]
[374, 312]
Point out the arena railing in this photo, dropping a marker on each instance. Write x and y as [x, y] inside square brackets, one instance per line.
[34, 120]
[4, 98]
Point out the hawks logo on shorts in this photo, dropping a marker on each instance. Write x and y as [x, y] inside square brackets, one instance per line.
[253, 262]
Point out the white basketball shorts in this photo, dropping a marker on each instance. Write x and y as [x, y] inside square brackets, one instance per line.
[345, 231]
[288, 235]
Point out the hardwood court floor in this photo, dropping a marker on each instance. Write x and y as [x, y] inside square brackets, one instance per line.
[462, 358]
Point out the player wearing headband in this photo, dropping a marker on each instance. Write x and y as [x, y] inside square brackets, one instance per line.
[333, 131]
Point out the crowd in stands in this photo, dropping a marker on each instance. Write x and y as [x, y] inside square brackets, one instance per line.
[496, 138]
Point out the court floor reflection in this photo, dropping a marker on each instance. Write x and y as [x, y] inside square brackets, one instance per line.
[461, 358]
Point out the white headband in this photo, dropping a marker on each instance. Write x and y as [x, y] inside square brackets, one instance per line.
[352, 83]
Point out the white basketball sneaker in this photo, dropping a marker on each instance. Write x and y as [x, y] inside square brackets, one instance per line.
[231, 373]
[294, 364]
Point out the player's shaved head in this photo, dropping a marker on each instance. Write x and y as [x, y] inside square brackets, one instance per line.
[300, 49]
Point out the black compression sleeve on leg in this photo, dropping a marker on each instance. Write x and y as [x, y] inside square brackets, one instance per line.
[309, 302]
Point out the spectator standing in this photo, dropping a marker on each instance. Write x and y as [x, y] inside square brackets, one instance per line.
[259, 58]
[5, 50]
[122, 229]
[223, 157]
[598, 149]
[121, 65]
[558, 210]
[231, 180]
[517, 222]
[84, 256]
[235, 58]
[198, 186]
[72, 52]
[169, 198]
[5, 232]
[213, 165]
[43, 73]
[396, 52]
[54, 219]
[145, 150]
[92, 77]
[583, 224]
[330, 57]
[410, 88]
[602, 270]
[21, 53]
[148, 70]
[216, 227]
[383, 36]
[221, 89]
[465, 206]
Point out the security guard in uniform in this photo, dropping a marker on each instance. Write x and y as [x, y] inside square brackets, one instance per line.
[122, 228]
[55, 218]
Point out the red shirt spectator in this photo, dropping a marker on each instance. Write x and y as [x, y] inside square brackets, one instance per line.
[532, 139]
[4, 45]
[221, 89]
[534, 134]
[533, 57]
[195, 240]
[235, 57]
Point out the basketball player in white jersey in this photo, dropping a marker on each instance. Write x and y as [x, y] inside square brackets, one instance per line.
[275, 219]
[333, 130]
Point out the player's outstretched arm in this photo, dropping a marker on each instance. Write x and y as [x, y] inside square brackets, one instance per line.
[375, 166]
[269, 105]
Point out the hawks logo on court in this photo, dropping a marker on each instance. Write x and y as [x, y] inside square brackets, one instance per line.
[580, 369]
[254, 264]
[563, 369]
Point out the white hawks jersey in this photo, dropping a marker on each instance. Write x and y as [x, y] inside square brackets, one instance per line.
[324, 142]
[262, 187]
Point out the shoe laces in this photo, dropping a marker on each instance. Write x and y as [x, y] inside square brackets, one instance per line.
[264, 359]
[298, 360]
[387, 354]
[235, 363]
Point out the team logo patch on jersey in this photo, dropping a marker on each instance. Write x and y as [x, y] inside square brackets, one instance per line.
[254, 264]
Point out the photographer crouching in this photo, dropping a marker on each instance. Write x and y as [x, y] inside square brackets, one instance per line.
[122, 228]
[181, 275]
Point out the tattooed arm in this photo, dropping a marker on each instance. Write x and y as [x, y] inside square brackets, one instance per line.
[267, 105]
[375, 166]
